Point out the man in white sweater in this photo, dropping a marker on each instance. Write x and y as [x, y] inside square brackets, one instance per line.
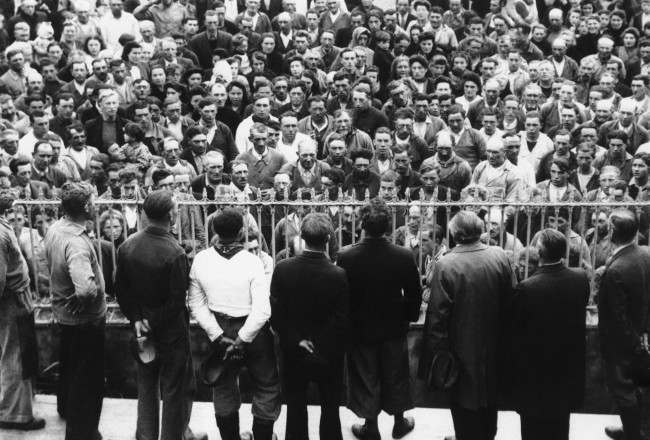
[229, 298]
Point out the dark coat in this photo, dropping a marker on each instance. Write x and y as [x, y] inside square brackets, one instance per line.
[472, 286]
[623, 300]
[385, 292]
[224, 141]
[548, 350]
[93, 129]
[310, 300]
[202, 48]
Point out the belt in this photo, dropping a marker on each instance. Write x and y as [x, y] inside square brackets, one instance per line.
[223, 316]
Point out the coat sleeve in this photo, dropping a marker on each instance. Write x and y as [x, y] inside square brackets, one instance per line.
[328, 341]
[618, 293]
[441, 303]
[178, 284]
[412, 290]
[122, 290]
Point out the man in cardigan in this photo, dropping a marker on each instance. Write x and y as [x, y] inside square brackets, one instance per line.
[263, 162]
[306, 171]
[466, 142]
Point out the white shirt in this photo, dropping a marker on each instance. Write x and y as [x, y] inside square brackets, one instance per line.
[79, 157]
[231, 9]
[236, 287]
[177, 129]
[583, 179]
[497, 134]
[112, 28]
[543, 146]
[290, 151]
[559, 67]
[555, 193]
[26, 144]
[242, 134]
[286, 39]
[383, 166]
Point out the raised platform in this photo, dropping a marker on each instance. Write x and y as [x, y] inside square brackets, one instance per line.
[119, 416]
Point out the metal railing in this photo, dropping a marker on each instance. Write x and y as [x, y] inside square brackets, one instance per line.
[272, 230]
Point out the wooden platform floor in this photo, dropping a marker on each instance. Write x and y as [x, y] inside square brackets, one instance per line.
[119, 416]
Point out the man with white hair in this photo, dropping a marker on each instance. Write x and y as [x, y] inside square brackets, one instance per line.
[604, 55]
[27, 13]
[169, 55]
[470, 287]
[150, 43]
[86, 25]
[306, 172]
[455, 172]
[496, 234]
[284, 36]
[626, 122]
[116, 23]
[556, 27]
[498, 174]
[565, 67]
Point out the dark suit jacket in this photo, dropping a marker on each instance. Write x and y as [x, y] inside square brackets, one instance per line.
[200, 45]
[93, 129]
[224, 141]
[623, 300]
[274, 8]
[310, 300]
[70, 88]
[548, 350]
[279, 46]
[263, 22]
[385, 292]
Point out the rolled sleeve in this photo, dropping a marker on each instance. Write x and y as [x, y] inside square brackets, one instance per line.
[79, 257]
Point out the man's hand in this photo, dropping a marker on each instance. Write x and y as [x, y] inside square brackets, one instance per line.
[142, 327]
[75, 304]
[644, 342]
[236, 350]
[307, 345]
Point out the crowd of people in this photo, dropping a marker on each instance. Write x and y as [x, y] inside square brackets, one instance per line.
[285, 101]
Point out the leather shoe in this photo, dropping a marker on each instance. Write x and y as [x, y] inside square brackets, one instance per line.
[403, 427]
[362, 432]
[615, 432]
[33, 425]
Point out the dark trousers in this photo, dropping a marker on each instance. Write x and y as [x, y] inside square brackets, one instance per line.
[296, 382]
[262, 366]
[171, 377]
[470, 424]
[81, 381]
[552, 427]
[379, 378]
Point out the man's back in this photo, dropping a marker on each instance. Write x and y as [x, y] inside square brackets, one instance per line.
[152, 276]
[623, 300]
[310, 301]
[74, 270]
[470, 288]
[385, 292]
[549, 325]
